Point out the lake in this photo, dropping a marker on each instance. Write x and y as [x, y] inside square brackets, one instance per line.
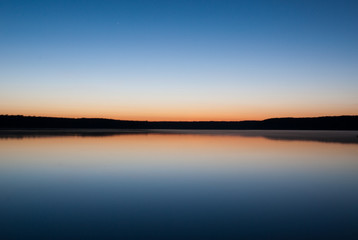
[180, 184]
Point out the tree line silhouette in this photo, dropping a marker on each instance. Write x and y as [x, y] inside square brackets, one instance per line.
[315, 123]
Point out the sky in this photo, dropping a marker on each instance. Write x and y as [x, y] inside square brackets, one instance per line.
[179, 60]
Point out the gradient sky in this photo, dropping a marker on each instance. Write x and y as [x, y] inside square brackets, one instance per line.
[179, 60]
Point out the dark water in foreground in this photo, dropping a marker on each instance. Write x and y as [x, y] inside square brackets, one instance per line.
[179, 185]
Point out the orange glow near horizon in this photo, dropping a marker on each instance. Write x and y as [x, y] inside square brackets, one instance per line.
[176, 117]
[174, 111]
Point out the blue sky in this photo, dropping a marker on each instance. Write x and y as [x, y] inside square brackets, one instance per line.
[179, 60]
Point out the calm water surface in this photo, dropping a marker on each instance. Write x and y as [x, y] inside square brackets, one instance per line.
[179, 185]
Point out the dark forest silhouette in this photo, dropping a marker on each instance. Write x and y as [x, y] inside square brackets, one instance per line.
[315, 123]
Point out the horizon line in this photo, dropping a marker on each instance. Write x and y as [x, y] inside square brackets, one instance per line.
[248, 120]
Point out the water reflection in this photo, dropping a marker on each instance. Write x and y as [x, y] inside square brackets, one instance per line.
[295, 135]
[179, 185]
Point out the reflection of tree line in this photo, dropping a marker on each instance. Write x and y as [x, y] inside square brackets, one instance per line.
[319, 123]
[285, 135]
[317, 136]
[9, 134]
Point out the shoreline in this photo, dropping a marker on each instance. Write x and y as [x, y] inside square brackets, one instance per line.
[334, 136]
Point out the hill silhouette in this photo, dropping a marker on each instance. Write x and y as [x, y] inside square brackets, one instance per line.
[315, 123]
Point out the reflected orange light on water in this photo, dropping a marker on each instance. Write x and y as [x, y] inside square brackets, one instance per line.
[173, 150]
